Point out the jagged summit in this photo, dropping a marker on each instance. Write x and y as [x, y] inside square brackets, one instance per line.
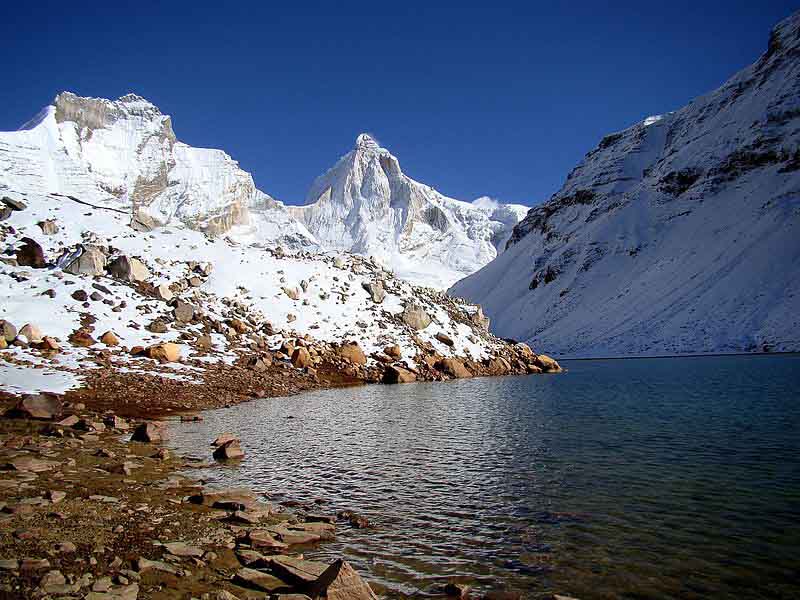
[676, 235]
[367, 205]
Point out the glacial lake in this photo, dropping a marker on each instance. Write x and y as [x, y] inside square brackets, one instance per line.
[645, 478]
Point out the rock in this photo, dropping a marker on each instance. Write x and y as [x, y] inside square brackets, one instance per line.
[339, 262]
[128, 269]
[375, 290]
[9, 564]
[124, 592]
[56, 496]
[81, 339]
[102, 585]
[50, 344]
[52, 578]
[445, 339]
[204, 342]
[233, 499]
[457, 590]
[91, 261]
[143, 565]
[163, 292]
[415, 317]
[183, 311]
[301, 358]
[395, 374]
[96, 296]
[14, 204]
[257, 580]
[80, 295]
[299, 572]
[70, 421]
[341, 582]
[394, 351]
[165, 352]
[183, 550]
[3, 343]
[261, 538]
[292, 292]
[255, 363]
[8, 331]
[109, 338]
[524, 350]
[37, 406]
[356, 520]
[547, 364]
[30, 254]
[5, 212]
[195, 282]
[48, 226]
[480, 320]
[142, 222]
[229, 450]
[34, 564]
[453, 367]
[238, 326]
[223, 439]
[151, 431]
[352, 351]
[303, 533]
[158, 326]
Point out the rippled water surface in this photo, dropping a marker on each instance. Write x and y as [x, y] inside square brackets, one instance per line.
[653, 478]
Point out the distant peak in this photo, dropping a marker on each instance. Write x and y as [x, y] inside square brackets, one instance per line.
[365, 140]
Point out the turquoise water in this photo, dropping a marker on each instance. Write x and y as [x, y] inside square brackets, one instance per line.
[651, 478]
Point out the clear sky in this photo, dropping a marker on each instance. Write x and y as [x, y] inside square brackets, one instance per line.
[496, 98]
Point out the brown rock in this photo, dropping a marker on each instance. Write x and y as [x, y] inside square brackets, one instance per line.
[37, 406]
[30, 254]
[8, 331]
[395, 374]
[547, 364]
[80, 295]
[229, 450]
[128, 269]
[223, 439]
[453, 367]
[163, 292]
[91, 261]
[48, 226]
[184, 312]
[81, 338]
[50, 344]
[341, 582]
[238, 326]
[394, 351]
[165, 352]
[444, 338]
[301, 358]
[352, 351]
[257, 580]
[204, 342]
[151, 431]
[109, 338]
[297, 571]
[415, 316]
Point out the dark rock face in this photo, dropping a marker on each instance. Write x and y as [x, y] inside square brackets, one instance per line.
[30, 254]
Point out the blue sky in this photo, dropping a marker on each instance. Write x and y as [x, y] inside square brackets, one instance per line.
[499, 99]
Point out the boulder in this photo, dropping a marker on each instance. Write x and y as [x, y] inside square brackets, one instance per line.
[48, 226]
[444, 338]
[524, 350]
[14, 204]
[415, 316]
[142, 222]
[395, 374]
[292, 292]
[32, 333]
[231, 449]
[163, 292]
[547, 364]
[81, 339]
[5, 212]
[223, 439]
[128, 269]
[91, 261]
[394, 351]
[238, 326]
[453, 367]
[30, 254]
[340, 581]
[80, 295]
[165, 352]
[151, 431]
[109, 338]
[37, 406]
[233, 499]
[183, 311]
[8, 331]
[352, 351]
[258, 580]
[301, 358]
[375, 290]
[480, 320]
[297, 571]
[204, 342]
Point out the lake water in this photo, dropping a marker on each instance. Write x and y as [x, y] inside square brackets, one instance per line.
[650, 478]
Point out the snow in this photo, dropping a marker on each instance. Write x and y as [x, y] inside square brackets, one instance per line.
[642, 270]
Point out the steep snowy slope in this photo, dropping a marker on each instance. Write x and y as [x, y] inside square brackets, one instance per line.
[365, 204]
[124, 154]
[680, 234]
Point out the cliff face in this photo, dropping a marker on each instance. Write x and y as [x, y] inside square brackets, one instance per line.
[677, 235]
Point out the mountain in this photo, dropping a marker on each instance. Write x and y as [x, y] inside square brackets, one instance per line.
[124, 155]
[680, 234]
[367, 205]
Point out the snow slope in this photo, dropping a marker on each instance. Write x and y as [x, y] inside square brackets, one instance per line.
[680, 234]
[124, 154]
[367, 205]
